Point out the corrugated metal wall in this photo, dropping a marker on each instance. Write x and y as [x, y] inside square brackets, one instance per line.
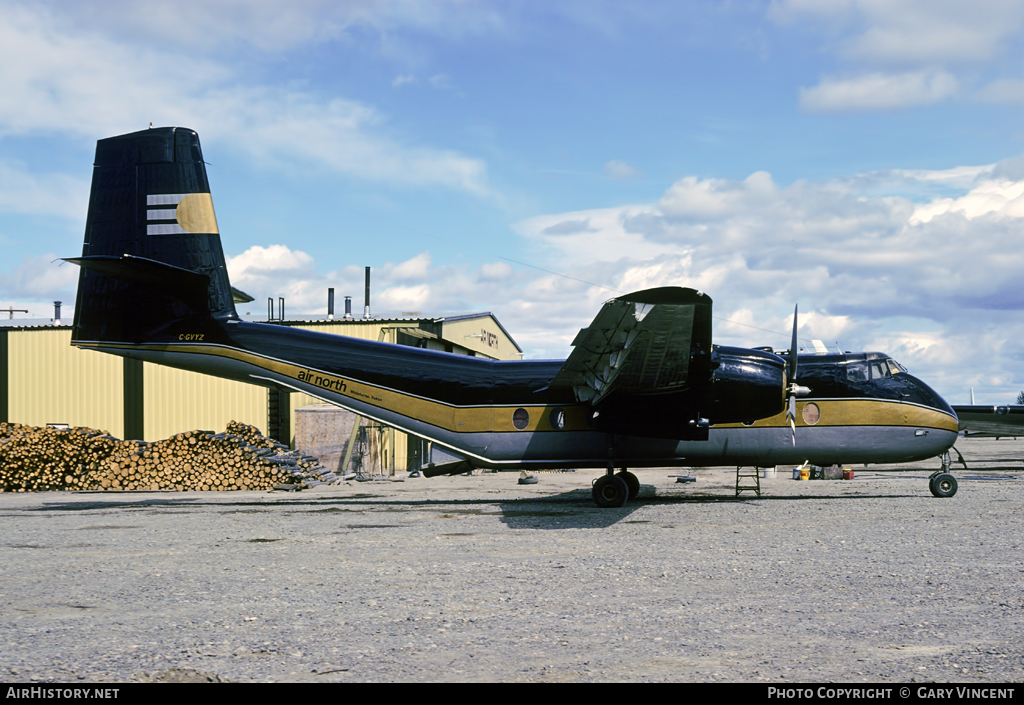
[177, 400]
[48, 381]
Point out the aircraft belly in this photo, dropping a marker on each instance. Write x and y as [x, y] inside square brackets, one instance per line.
[820, 446]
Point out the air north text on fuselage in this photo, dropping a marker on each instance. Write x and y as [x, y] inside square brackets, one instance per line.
[333, 383]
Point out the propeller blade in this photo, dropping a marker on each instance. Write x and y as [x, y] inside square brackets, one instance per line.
[794, 388]
[791, 417]
[793, 347]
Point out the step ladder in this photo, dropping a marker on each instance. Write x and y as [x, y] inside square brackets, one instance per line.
[743, 483]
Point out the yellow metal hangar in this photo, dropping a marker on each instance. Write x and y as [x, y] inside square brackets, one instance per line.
[45, 380]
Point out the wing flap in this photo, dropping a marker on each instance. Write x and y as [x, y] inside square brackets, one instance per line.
[641, 343]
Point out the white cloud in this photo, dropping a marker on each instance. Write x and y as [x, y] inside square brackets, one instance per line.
[264, 261]
[495, 272]
[620, 171]
[691, 198]
[441, 81]
[40, 278]
[77, 81]
[903, 53]
[870, 271]
[24, 192]
[1001, 198]
[413, 269]
[909, 32]
[1003, 90]
[342, 136]
[879, 91]
[275, 25]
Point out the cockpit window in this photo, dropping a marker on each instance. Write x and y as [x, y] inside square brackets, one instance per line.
[857, 372]
[863, 370]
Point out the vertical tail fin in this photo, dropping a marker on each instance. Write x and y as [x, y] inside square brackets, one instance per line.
[152, 261]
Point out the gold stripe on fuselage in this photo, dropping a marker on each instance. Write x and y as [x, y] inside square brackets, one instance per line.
[858, 412]
[450, 417]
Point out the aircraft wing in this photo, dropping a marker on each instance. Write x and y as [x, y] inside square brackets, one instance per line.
[644, 342]
[979, 420]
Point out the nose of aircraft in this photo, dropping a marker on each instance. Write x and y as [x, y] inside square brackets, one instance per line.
[915, 391]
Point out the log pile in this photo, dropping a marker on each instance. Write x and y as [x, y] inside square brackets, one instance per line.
[38, 459]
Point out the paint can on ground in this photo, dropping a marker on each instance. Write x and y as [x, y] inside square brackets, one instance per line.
[805, 473]
[768, 472]
[796, 473]
[847, 474]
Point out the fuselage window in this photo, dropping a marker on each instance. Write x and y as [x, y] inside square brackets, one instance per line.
[557, 418]
[521, 419]
[811, 413]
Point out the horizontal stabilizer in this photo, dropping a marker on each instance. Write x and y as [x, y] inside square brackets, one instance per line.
[190, 286]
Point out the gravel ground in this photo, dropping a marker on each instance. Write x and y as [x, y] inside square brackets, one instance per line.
[477, 578]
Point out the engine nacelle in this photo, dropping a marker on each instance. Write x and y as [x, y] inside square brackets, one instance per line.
[739, 385]
[746, 385]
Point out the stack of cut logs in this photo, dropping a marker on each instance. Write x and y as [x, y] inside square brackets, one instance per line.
[241, 458]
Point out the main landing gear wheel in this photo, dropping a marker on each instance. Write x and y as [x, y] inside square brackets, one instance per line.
[610, 491]
[942, 484]
[632, 482]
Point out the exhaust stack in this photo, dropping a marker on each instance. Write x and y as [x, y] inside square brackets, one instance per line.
[366, 306]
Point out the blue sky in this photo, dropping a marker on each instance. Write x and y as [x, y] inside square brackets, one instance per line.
[862, 158]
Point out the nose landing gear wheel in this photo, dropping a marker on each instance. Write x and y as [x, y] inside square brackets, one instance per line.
[610, 491]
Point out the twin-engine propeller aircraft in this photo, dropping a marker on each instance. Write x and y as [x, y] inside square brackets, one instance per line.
[643, 387]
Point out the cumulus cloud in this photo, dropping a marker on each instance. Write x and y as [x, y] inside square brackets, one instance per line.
[266, 262]
[38, 278]
[879, 91]
[909, 31]
[61, 78]
[1005, 198]
[710, 199]
[869, 270]
[905, 53]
